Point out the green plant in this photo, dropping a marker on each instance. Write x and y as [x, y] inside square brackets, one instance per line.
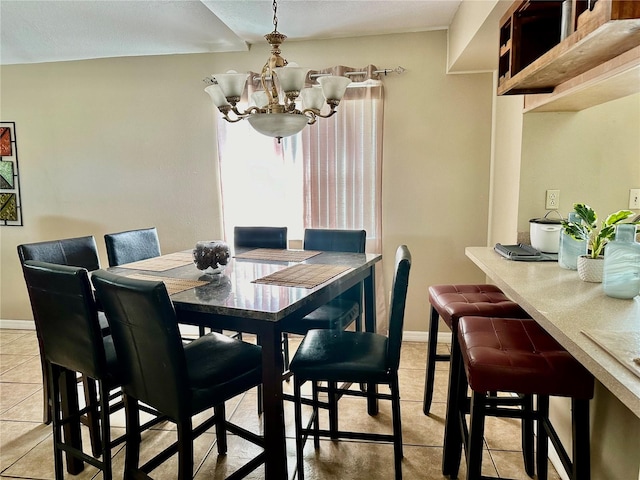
[587, 228]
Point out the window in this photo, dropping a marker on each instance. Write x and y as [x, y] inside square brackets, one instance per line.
[328, 176]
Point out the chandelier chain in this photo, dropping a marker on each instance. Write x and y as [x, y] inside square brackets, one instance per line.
[275, 16]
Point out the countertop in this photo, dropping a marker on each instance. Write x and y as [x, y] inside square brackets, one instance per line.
[567, 307]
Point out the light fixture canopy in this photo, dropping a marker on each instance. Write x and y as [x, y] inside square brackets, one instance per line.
[273, 110]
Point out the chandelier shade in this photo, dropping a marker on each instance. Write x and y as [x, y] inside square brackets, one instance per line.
[285, 104]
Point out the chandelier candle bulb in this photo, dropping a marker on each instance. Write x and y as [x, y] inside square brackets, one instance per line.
[291, 78]
[333, 87]
[217, 95]
[260, 99]
[312, 98]
[232, 84]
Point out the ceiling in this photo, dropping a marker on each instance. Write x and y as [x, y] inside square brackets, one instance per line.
[60, 30]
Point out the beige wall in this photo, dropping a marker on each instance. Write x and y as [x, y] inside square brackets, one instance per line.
[592, 157]
[108, 145]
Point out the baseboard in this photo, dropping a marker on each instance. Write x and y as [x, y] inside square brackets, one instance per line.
[17, 324]
[416, 336]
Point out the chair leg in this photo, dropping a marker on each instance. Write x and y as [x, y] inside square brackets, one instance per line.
[106, 431]
[333, 409]
[46, 390]
[298, 423]
[431, 361]
[316, 415]
[132, 452]
[91, 400]
[185, 449]
[397, 427]
[221, 428]
[53, 379]
[476, 435]
[527, 435]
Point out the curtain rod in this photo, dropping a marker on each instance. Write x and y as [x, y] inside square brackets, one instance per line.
[385, 71]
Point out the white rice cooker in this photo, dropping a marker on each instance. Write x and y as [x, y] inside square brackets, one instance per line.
[545, 234]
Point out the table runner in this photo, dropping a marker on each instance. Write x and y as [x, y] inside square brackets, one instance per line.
[161, 263]
[623, 346]
[278, 255]
[174, 285]
[302, 275]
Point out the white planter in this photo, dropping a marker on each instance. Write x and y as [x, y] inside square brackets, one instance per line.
[590, 269]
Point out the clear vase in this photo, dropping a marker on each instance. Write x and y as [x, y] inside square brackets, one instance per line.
[622, 264]
[570, 248]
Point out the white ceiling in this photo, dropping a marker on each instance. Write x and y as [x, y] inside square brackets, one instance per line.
[59, 30]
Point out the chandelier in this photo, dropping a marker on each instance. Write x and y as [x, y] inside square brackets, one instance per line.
[273, 111]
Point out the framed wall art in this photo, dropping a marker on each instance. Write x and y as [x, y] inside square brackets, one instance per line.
[10, 201]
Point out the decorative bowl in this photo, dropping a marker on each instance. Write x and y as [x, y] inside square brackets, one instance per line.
[212, 254]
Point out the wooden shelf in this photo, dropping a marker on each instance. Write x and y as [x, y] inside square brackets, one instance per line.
[616, 78]
[599, 35]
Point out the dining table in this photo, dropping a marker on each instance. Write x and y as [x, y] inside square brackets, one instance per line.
[256, 292]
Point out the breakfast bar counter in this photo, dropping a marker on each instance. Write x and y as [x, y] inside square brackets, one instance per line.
[601, 332]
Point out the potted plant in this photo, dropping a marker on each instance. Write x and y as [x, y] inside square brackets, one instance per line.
[590, 265]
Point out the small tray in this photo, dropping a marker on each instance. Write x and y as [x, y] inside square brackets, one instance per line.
[524, 253]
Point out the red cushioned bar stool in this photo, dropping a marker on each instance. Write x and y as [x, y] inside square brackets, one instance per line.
[519, 356]
[450, 302]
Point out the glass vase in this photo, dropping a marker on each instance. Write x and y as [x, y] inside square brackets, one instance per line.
[570, 248]
[622, 264]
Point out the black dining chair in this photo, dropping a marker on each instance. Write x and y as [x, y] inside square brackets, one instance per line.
[260, 237]
[66, 319]
[190, 379]
[132, 246]
[343, 310]
[77, 252]
[354, 357]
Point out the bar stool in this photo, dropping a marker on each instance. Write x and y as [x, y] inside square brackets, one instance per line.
[519, 356]
[450, 302]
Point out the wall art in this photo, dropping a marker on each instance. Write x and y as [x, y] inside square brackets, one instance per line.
[10, 201]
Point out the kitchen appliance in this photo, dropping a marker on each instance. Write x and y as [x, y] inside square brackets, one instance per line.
[545, 233]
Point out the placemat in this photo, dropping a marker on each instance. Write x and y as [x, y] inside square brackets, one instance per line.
[302, 275]
[278, 255]
[623, 346]
[161, 263]
[174, 285]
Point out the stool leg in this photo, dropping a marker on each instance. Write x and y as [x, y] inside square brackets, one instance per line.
[543, 437]
[431, 361]
[527, 435]
[476, 435]
[452, 440]
[581, 444]
[221, 428]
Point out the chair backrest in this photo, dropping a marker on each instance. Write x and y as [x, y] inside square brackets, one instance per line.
[335, 240]
[147, 341]
[330, 240]
[398, 302]
[132, 245]
[66, 317]
[76, 252]
[260, 237]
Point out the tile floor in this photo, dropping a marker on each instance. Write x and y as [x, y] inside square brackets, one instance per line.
[26, 445]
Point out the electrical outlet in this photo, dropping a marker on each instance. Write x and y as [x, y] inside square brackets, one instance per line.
[634, 199]
[552, 200]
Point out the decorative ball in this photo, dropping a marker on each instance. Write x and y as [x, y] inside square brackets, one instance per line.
[211, 254]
